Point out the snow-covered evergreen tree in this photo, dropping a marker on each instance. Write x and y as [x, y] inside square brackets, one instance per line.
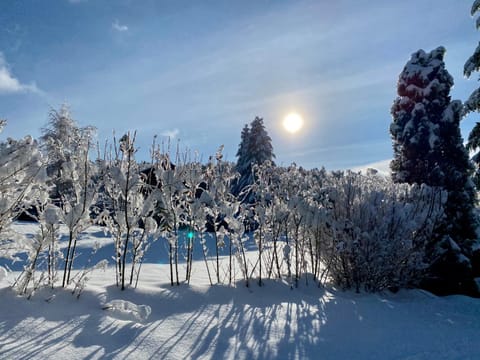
[259, 147]
[255, 148]
[473, 102]
[471, 105]
[428, 148]
[243, 155]
[423, 96]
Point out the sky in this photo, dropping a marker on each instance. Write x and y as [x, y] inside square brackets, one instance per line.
[198, 71]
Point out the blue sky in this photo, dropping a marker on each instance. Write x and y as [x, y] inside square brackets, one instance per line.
[200, 70]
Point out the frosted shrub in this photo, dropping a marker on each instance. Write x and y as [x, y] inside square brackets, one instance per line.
[22, 173]
[73, 175]
[127, 208]
[22, 187]
[175, 211]
[379, 231]
[221, 208]
[282, 206]
[361, 232]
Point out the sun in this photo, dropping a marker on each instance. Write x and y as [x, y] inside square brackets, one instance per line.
[293, 122]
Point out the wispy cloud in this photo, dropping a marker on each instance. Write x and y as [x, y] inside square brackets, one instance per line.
[76, 1]
[119, 27]
[172, 134]
[9, 84]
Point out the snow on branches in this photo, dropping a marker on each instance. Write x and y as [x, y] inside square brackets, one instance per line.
[361, 232]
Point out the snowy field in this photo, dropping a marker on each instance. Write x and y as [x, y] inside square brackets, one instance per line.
[199, 321]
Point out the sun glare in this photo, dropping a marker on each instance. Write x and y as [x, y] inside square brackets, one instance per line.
[293, 122]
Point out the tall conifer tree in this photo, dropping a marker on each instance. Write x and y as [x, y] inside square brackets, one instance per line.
[428, 148]
[473, 102]
[255, 148]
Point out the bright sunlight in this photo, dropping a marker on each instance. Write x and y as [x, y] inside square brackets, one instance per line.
[293, 122]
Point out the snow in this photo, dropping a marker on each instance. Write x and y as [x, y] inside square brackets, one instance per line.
[421, 67]
[471, 64]
[3, 273]
[127, 310]
[196, 321]
[452, 112]
[475, 7]
[473, 102]
[51, 215]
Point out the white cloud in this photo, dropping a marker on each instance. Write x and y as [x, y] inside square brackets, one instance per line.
[9, 84]
[76, 1]
[382, 166]
[172, 134]
[118, 27]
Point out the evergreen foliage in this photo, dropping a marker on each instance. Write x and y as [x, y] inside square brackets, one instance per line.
[473, 102]
[242, 153]
[260, 147]
[428, 148]
[255, 149]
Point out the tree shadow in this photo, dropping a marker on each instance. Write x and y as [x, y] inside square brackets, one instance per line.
[268, 322]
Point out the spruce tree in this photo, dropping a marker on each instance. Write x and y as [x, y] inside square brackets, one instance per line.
[255, 148]
[260, 147]
[473, 102]
[473, 105]
[244, 160]
[428, 148]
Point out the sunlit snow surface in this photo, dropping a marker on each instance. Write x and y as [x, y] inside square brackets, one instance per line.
[199, 321]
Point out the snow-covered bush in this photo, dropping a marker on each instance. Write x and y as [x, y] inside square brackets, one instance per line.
[73, 175]
[177, 191]
[362, 232]
[196, 202]
[22, 174]
[42, 251]
[378, 231]
[221, 206]
[65, 145]
[129, 212]
[22, 188]
[289, 212]
[77, 205]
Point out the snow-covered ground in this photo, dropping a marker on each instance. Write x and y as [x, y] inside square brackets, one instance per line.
[199, 321]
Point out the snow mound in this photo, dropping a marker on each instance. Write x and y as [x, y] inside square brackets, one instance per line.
[126, 310]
